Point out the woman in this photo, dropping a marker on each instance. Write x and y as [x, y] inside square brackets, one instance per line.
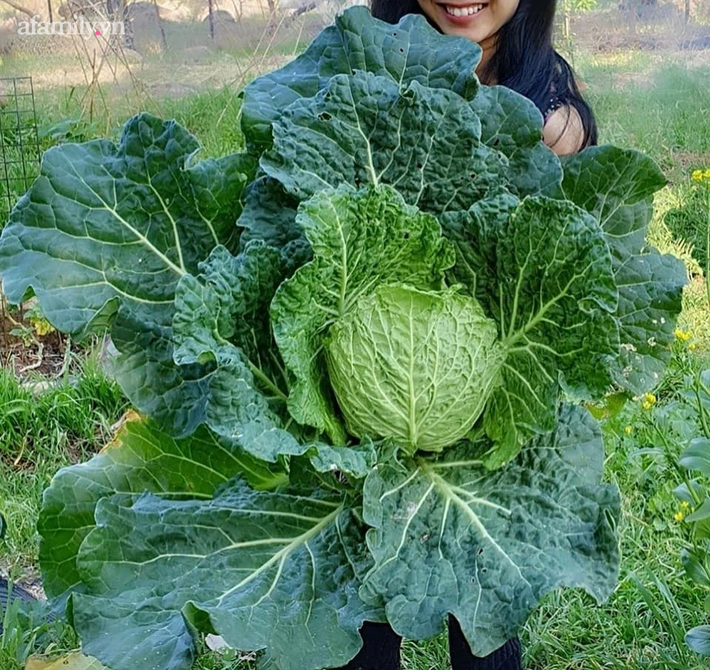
[516, 38]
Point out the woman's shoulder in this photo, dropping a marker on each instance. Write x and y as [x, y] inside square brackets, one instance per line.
[564, 131]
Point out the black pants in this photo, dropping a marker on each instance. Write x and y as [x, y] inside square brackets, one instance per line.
[381, 648]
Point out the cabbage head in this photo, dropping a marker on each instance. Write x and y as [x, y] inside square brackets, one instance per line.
[415, 366]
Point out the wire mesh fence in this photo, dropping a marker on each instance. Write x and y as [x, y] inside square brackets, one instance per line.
[19, 140]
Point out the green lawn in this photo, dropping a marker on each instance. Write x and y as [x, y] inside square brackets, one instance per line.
[660, 108]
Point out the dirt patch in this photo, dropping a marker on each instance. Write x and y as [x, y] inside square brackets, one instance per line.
[691, 160]
[25, 348]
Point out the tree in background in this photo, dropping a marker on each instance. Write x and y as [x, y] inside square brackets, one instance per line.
[568, 7]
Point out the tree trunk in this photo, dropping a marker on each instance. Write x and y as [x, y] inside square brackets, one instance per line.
[160, 24]
[210, 8]
[19, 8]
[687, 11]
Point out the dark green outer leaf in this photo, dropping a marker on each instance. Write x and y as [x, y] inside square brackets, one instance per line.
[449, 537]
[617, 187]
[123, 223]
[364, 129]
[104, 235]
[270, 216]
[140, 458]
[353, 461]
[650, 300]
[266, 571]
[410, 51]
[511, 124]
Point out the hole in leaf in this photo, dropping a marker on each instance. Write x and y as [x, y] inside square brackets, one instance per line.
[325, 116]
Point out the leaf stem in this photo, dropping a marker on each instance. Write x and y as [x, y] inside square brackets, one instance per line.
[266, 380]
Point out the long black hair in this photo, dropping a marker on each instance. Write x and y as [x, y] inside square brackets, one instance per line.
[524, 59]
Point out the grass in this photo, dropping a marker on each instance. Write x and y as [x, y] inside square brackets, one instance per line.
[663, 111]
[40, 434]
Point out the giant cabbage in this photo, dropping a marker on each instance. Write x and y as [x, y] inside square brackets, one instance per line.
[360, 351]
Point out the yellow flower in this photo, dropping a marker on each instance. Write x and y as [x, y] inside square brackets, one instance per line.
[692, 346]
[679, 516]
[628, 430]
[649, 400]
[706, 174]
[697, 176]
[682, 335]
[685, 505]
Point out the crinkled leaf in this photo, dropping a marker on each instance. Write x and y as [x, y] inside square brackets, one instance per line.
[270, 215]
[410, 51]
[650, 300]
[353, 461]
[174, 396]
[141, 458]
[360, 240]
[450, 537]
[221, 318]
[269, 571]
[511, 124]
[364, 129]
[617, 187]
[413, 366]
[104, 235]
[544, 272]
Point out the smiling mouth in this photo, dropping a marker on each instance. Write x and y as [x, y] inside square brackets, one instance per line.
[463, 11]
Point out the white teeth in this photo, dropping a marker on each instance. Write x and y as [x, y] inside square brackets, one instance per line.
[464, 11]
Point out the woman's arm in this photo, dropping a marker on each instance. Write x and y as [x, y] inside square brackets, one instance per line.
[564, 132]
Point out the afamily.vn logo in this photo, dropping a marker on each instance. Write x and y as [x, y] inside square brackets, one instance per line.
[81, 27]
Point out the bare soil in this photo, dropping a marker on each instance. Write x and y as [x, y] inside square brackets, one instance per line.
[37, 354]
